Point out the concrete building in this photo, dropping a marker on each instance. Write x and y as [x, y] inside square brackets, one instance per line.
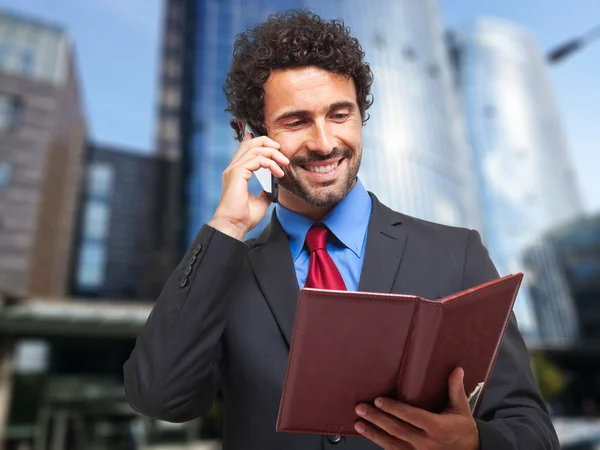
[42, 135]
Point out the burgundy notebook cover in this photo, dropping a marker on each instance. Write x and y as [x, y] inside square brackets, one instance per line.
[351, 347]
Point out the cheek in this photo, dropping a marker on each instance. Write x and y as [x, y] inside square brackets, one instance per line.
[289, 147]
[352, 135]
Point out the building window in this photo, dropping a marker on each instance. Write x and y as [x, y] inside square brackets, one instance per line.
[96, 220]
[100, 181]
[95, 229]
[17, 58]
[92, 263]
[5, 175]
[27, 62]
[171, 97]
[11, 109]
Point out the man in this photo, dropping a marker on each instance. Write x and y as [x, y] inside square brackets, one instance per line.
[224, 319]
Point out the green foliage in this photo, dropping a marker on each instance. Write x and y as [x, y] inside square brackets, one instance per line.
[212, 421]
[550, 378]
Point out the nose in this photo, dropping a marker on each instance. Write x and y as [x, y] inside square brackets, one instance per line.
[321, 138]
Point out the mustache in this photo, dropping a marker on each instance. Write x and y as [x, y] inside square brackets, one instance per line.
[336, 153]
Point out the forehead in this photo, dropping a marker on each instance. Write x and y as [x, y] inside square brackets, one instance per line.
[306, 88]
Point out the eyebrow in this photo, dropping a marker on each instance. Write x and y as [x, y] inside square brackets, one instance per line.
[305, 113]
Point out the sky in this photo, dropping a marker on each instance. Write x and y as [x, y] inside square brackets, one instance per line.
[117, 49]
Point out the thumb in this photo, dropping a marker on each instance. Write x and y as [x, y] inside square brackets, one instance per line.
[459, 402]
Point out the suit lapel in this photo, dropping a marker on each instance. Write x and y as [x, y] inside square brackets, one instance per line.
[386, 239]
[271, 261]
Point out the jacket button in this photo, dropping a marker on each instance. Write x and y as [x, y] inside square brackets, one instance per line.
[183, 282]
[188, 270]
[192, 260]
[197, 249]
[334, 439]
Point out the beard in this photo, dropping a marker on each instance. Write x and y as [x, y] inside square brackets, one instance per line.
[328, 193]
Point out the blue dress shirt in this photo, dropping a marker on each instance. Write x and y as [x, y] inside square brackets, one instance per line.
[348, 221]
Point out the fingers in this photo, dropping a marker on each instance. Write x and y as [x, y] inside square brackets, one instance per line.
[417, 417]
[267, 152]
[380, 438]
[249, 142]
[456, 390]
[252, 164]
[391, 425]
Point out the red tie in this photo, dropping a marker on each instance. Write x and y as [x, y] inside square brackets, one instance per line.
[322, 271]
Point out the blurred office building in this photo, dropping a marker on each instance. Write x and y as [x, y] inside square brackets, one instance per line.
[575, 246]
[42, 142]
[68, 353]
[119, 226]
[526, 180]
[416, 157]
[74, 222]
[551, 298]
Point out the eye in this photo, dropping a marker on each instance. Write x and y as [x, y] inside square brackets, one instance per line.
[295, 124]
[340, 116]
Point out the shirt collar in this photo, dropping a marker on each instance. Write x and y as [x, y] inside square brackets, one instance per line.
[348, 221]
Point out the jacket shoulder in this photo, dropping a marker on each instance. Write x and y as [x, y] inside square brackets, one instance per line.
[434, 230]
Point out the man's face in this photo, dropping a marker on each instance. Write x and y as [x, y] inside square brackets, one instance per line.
[314, 116]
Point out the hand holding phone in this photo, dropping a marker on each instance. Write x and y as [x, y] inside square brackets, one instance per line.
[239, 211]
[268, 181]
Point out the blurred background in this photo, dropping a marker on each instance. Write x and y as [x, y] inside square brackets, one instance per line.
[113, 137]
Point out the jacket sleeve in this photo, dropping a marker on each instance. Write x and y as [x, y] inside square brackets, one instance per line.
[512, 414]
[173, 371]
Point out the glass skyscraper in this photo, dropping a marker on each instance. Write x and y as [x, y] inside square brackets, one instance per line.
[525, 178]
[415, 159]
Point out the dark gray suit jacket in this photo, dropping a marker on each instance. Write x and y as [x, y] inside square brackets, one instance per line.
[225, 316]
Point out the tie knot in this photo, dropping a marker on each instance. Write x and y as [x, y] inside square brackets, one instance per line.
[316, 238]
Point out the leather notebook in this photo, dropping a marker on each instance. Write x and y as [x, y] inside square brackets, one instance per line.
[352, 347]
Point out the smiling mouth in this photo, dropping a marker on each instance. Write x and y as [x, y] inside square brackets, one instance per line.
[323, 168]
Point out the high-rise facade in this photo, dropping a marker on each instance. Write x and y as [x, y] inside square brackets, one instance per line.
[576, 249]
[526, 181]
[42, 135]
[415, 155]
[119, 226]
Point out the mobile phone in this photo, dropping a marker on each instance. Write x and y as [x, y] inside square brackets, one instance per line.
[268, 181]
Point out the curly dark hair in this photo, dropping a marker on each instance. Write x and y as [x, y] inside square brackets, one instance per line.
[294, 38]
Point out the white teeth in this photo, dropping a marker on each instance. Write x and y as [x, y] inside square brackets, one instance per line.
[323, 169]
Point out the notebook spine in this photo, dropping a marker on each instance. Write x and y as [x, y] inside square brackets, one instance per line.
[419, 350]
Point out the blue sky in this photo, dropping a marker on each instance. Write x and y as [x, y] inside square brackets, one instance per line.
[117, 45]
